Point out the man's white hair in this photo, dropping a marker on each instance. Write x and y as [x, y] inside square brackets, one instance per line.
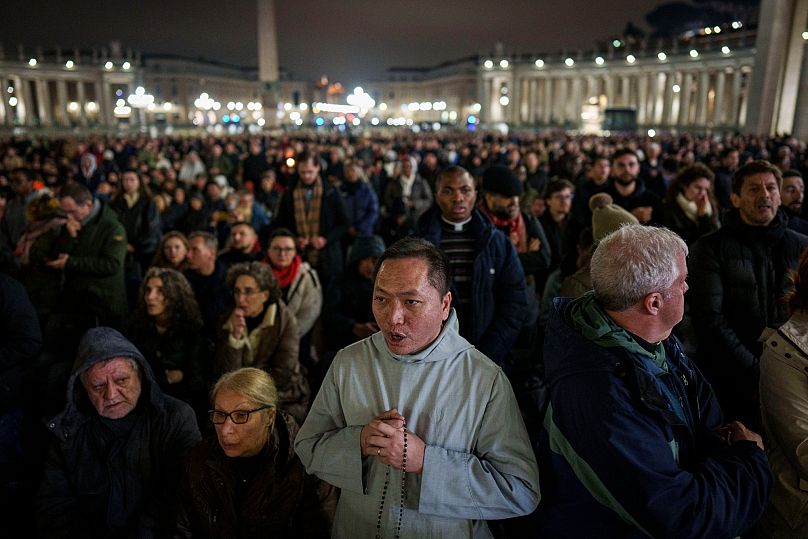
[635, 261]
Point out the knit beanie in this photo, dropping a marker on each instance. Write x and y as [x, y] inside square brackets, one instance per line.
[365, 246]
[607, 216]
[501, 180]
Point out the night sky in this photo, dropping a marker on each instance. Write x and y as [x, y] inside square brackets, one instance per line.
[351, 41]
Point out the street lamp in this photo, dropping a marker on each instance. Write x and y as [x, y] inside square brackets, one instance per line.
[140, 100]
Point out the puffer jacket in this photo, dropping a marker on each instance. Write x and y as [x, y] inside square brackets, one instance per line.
[738, 276]
[272, 346]
[499, 304]
[280, 501]
[99, 483]
[784, 404]
[304, 298]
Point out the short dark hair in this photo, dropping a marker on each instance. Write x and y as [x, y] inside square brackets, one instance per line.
[209, 239]
[308, 155]
[77, 191]
[726, 152]
[281, 233]
[554, 186]
[755, 167]
[624, 151]
[439, 274]
[450, 172]
[791, 173]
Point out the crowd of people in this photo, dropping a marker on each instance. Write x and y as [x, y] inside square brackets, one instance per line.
[243, 335]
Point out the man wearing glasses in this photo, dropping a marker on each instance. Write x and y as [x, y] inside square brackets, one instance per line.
[118, 447]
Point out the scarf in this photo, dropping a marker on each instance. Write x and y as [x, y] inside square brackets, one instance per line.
[406, 185]
[286, 275]
[307, 222]
[690, 208]
[514, 228]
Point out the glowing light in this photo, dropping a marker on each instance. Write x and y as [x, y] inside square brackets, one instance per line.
[120, 103]
[10, 89]
[694, 53]
[355, 121]
[73, 106]
[539, 63]
[504, 100]
[374, 121]
[726, 50]
[303, 106]
[126, 66]
[716, 29]
[12, 101]
[126, 111]
[426, 105]
[91, 106]
[239, 105]
[616, 43]
[108, 65]
[358, 90]
[319, 121]
[472, 119]
[290, 163]
[329, 107]
[69, 64]
[299, 122]
[651, 133]
[453, 115]
[631, 59]
[261, 122]
[216, 105]
[382, 107]
[569, 62]
[708, 31]
[488, 64]
[476, 107]
[412, 107]
[805, 35]
[32, 62]
[167, 106]
[662, 56]
[231, 105]
[226, 118]
[676, 88]
[294, 115]
[288, 106]
[599, 60]
[504, 64]
[436, 126]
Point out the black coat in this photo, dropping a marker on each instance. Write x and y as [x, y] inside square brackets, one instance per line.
[143, 228]
[738, 276]
[672, 216]
[107, 482]
[280, 500]
[20, 341]
[334, 222]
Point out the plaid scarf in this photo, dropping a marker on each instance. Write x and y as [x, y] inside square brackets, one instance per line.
[308, 222]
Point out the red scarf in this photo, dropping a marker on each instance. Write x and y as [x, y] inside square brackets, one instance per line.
[286, 275]
[514, 227]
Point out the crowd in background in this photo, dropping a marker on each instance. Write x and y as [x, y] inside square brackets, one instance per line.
[215, 253]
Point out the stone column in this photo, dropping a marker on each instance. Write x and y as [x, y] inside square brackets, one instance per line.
[642, 99]
[775, 80]
[733, 118]
[81, 97]
[718, 103]
[801, 116]
[61, 104]
[547, 112]
[561, 99]
[611, 99]
[665, 118]
[625, 91]
[701, 98]
[684, 101]
[44, 101]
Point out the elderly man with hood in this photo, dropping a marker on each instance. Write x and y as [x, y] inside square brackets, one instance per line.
[119, 445]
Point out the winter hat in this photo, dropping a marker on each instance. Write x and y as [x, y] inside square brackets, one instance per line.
[607, 216]
[501, 180]
[365, 246]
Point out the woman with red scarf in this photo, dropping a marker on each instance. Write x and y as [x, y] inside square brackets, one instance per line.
[300, 286]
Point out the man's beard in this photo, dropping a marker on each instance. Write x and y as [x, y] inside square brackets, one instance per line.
[625, 181]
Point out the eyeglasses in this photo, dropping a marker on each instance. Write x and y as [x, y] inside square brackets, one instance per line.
[245, 292]
[562, 197]
[239, 417]
[282, 249]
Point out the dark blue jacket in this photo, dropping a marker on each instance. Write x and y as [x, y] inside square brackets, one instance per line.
[362, 206]
[499, 305]
[616, 461]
